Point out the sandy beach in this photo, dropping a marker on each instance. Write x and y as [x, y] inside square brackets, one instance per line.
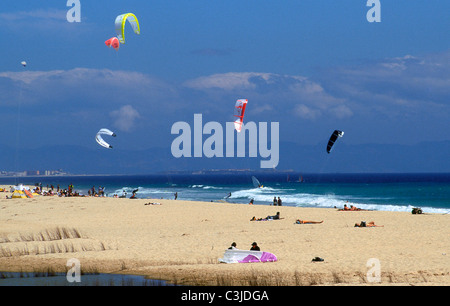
[181, 241]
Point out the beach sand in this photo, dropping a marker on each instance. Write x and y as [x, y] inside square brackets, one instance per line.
[181, 241]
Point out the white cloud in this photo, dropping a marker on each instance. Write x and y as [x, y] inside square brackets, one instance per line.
[46, 22]
[393, 88]
[29, 77]
[49, 14]
[306, 112]
[341, 111]
[398, 86]
[263, 108]
[281, 94]
[125, 117]
[92, 87]
[227, 81]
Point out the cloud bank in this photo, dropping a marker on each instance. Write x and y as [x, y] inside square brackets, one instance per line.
[407, 95]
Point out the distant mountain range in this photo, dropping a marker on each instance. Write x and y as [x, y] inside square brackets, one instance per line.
[345, 158]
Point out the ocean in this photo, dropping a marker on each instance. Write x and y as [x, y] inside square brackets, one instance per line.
[384, 192]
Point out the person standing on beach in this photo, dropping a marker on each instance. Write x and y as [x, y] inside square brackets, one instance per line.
[279, 201]
[275, 201]
[176, 195]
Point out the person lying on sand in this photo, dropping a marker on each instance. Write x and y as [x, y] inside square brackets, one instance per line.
[268, 218]
[152, 203]
[370, 224]
[351, 208]
[298, 221]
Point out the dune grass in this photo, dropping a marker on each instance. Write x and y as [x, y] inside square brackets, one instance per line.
[48, 241]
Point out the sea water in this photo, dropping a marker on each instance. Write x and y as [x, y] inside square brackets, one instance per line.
[385, 192]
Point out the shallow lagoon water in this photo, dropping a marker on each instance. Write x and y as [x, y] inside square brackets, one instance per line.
[60, 279]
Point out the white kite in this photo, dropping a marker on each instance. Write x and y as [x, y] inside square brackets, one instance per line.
[100, 140]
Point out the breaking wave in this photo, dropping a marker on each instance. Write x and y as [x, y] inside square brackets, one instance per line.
[266, 195]
[205, 187]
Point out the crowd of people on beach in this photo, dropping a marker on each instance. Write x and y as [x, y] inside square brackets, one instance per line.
[100, 193]
[70, 191]
[66, 192]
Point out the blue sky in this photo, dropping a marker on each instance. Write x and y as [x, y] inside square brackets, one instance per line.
[313, 66]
